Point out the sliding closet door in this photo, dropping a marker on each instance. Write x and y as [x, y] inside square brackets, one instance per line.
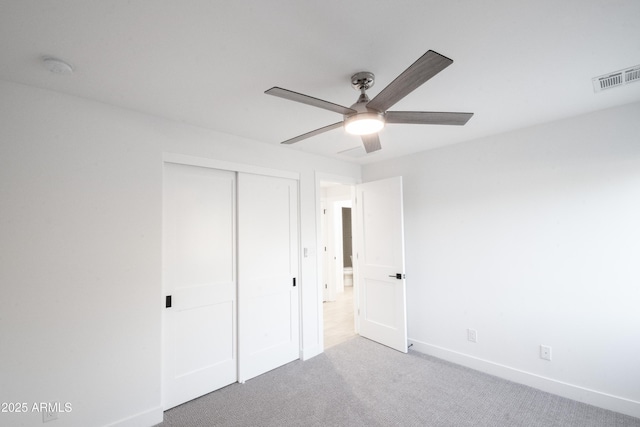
[199, 281]
[268, 270]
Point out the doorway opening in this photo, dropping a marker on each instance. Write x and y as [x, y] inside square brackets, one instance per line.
[339, 290]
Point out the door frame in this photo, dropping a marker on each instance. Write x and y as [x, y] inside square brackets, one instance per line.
[342, 180]
[338, 249]
[189, 160]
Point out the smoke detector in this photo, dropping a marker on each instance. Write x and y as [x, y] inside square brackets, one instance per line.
[616, 78]
[57, 66]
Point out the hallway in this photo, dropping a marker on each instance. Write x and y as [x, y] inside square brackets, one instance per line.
[338, 318]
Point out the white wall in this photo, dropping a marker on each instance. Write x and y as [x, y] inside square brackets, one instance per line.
[531, 237]
[80, 260]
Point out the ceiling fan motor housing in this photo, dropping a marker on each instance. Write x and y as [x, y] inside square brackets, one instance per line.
[362, 111]
[362, 81]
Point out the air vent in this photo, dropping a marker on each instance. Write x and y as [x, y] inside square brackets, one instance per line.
[615, 79]
[632, 75]
[610, 81]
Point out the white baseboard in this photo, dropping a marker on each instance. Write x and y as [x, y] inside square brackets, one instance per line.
[570, 391]
[143, 419]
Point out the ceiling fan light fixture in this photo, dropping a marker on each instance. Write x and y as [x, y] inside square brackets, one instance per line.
[364, 123]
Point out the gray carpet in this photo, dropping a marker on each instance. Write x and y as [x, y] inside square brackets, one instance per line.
[361, 383]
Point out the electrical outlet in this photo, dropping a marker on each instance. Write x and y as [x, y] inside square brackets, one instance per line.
[545, 352]
[50, 413]
[472, 335]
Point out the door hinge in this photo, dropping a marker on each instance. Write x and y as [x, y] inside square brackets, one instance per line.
[294, 282]
[167, 301]
[325, 286]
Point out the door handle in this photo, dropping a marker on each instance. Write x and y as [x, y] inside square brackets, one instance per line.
[398, 276]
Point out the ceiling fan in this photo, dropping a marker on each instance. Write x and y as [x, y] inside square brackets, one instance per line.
[367, 117]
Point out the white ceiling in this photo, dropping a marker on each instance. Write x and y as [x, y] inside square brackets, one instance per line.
[207, 63]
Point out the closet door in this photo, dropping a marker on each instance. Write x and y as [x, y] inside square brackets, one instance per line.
[267, 273]
[199, 281]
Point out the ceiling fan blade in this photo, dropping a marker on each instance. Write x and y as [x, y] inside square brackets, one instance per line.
[309, 100]
[371, 142]
[427, 118]
[427, 66]
[312, 133]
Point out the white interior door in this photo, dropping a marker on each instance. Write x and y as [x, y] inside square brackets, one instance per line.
[199, 275]
[380, 258]
[268, 271]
